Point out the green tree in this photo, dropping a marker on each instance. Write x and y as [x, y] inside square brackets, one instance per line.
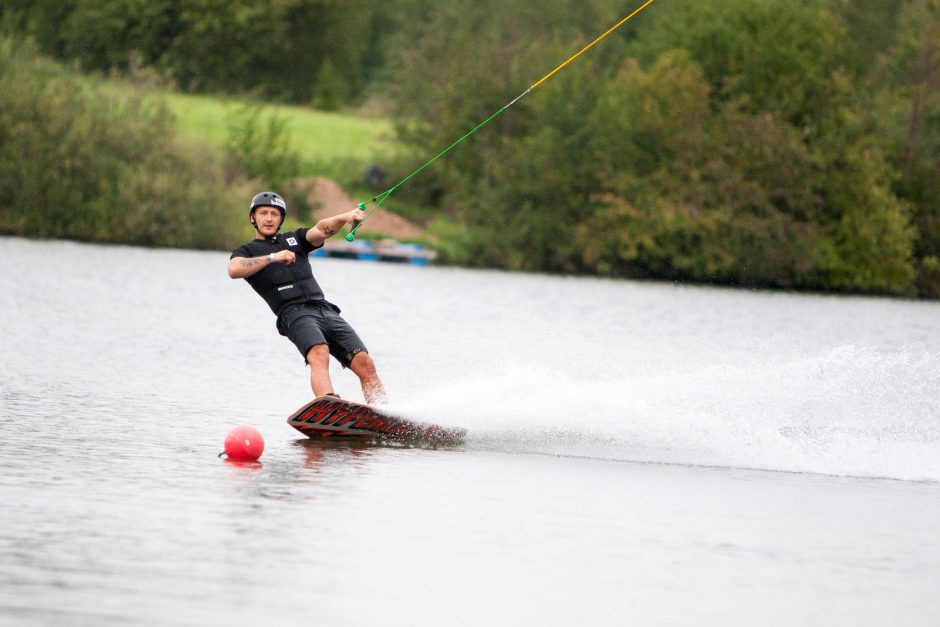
[769, 55]
[259, 145]
[776, 68]
[42, 20]
[81, 162]
[520, 184]
[106, 35]
[274, 48]
[692, 192]
[328, 91]
[909, 122]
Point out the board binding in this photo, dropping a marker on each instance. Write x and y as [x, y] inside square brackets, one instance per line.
[327, 416]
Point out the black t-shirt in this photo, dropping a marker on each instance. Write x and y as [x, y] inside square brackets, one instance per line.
[279, 284]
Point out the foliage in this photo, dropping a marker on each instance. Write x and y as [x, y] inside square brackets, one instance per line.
[732, 144]
[77, 162]
[328, 91]
[259, 145]
[908, 124]
[273, 48]
[756, 142]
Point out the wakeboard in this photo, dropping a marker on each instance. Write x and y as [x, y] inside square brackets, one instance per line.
[329, 416]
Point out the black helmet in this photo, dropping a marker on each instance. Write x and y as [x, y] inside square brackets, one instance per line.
[268, 199]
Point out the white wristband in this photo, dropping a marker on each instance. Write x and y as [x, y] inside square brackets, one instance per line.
[271, 257]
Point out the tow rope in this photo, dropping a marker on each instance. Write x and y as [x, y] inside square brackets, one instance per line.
[377, 200]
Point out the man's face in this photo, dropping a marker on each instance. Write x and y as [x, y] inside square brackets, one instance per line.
[267, 220]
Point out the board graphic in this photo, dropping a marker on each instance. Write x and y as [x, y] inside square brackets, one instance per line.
[329, 416]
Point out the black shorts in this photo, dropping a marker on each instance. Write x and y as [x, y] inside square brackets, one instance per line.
[310, 324]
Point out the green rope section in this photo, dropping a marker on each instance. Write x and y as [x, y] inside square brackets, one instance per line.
[378, 200]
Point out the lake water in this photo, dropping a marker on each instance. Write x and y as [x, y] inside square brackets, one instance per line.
[638, 453]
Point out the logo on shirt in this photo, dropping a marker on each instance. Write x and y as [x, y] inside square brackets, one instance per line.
[291, 241]
[285, 287]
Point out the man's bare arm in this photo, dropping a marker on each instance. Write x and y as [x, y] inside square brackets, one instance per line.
[328, 227]
[242, 267]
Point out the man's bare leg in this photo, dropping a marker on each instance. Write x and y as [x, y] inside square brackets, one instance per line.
[363, 367]
[318, 358]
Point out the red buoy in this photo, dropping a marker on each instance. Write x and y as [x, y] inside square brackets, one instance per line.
[244, 444]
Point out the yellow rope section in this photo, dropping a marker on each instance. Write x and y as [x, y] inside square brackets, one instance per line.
[590, 45]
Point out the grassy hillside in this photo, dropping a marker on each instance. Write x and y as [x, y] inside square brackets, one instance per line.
[330, 144]
[335, 145]
[339, 146]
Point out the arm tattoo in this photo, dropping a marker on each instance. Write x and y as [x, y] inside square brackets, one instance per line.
[247, 262]
[328, 231]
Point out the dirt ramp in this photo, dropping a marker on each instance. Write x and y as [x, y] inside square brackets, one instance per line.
[327, 199]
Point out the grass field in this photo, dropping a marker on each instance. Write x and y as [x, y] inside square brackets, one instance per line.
[330, 144]
[339, 146]
[335, 145]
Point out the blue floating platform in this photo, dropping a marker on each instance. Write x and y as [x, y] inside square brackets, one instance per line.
[381, 250]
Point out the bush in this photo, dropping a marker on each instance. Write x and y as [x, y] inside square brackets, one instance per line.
[259, 145]
[82, 161]
[328, 92]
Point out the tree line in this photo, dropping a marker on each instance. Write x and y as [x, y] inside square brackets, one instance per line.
[754, 142]
[298, 51]
[777, 143]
